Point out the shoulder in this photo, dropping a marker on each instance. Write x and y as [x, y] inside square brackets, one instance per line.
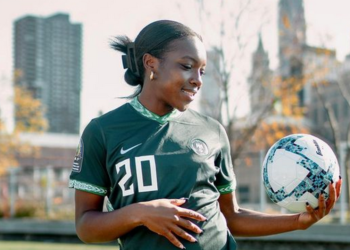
[197, 118]
[207, 124]
[106, 120]
[118, 113]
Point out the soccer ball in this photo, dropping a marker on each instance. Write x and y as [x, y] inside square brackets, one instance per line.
[297, 169]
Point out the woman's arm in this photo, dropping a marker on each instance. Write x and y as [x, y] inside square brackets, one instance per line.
[244, 222]
[164, 217]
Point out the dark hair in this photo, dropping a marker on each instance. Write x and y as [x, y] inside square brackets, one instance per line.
[154, 39]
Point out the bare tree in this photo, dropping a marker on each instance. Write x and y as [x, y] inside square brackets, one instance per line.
[229, 26]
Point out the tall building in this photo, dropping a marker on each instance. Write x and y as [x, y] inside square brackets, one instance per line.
[48, 61]
[210, 99]
[260, 80]
[291, 38]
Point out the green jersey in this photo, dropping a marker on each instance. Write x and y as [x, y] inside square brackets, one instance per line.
[131, 155]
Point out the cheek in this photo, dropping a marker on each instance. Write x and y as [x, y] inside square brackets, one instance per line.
[175, 81]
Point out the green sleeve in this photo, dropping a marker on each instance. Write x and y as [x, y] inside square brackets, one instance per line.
[225, 179]
[89, 167]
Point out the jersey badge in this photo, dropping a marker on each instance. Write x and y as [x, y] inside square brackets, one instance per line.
[199, 147]
[78, 159]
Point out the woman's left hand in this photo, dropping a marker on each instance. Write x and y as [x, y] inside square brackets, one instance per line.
[306, 219]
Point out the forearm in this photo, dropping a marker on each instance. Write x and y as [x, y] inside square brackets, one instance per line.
[97, 227]
[251, 223]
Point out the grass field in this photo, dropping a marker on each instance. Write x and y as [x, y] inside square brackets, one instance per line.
[23, 245]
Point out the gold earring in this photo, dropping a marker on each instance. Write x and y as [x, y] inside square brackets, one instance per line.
[151, 76]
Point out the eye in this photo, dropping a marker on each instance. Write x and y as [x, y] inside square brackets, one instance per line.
[186, 66]
[202, 72]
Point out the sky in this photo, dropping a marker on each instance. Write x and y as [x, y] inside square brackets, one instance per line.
[328, 24]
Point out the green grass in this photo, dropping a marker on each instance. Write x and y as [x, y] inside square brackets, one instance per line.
[22, 245]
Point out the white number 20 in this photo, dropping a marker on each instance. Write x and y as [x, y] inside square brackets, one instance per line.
[139, 174]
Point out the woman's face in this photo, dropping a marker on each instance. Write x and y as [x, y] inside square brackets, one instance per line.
[179, 75]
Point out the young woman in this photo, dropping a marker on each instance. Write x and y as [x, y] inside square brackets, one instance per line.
[166, 169]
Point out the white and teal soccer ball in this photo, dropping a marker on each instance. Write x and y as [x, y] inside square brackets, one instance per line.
[297, 169]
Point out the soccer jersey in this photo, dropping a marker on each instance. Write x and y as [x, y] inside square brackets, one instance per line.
[131, 155]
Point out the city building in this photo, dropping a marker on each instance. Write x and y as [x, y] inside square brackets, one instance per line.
[41, 177]
[210, 99]
[260, 80]
[48, 62]
[324, 95]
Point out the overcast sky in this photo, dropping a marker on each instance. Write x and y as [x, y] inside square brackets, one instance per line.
[328, 23]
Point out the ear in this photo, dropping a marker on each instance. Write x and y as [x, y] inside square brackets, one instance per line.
[150, 62]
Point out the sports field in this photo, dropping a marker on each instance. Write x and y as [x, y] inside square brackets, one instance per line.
[22, 245]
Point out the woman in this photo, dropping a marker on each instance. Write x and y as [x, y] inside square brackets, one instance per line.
[166, 169]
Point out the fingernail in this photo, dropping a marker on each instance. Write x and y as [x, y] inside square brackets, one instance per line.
[202, 232]
[332, 181]
[339, 177]
[307, 204]
[186, 199]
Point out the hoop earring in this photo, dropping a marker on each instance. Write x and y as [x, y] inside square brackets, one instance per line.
[151, 76]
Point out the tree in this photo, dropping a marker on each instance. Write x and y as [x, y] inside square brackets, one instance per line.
[30, 118]
[29, 112]
[7, 149]
[230, 37]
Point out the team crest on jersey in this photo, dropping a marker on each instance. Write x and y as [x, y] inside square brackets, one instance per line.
[199, 147]
[78, 159]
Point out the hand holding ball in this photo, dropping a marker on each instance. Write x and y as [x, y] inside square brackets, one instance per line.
[297, 169]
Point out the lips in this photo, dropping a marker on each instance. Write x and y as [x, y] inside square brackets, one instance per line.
[189, 92]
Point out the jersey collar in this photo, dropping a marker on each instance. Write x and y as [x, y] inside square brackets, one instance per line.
[145, 112]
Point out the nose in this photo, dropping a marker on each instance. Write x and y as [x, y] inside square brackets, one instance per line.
[196, 79]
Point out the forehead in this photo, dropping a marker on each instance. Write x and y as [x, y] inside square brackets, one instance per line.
[188, 47]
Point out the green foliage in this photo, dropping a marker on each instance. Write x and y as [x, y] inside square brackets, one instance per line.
[29, 112]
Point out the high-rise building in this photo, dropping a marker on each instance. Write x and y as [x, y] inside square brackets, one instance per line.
[260, 80]
[291, 37]
[48, 61]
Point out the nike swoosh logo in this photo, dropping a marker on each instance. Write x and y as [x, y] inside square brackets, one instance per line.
[124, 151]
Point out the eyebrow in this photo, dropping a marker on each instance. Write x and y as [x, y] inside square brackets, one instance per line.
[191, 58]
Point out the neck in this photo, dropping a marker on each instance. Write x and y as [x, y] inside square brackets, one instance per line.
[154, 105]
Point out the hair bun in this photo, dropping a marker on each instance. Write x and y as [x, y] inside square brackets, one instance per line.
[132, 79]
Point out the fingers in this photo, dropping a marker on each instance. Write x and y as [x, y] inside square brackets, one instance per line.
[183, 223]
[166, 217]
[338, 186]
[170, 236]
[311, 211]
[178, 229]
[321, 207]
[187, 212]
[183, 234]
[331, 199]
[178, 202]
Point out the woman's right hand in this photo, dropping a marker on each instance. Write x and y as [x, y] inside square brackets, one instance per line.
[166, 217]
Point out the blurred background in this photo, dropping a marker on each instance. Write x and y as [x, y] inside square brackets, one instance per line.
[275, 67]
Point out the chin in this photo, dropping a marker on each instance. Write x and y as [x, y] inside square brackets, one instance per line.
[182, 108]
